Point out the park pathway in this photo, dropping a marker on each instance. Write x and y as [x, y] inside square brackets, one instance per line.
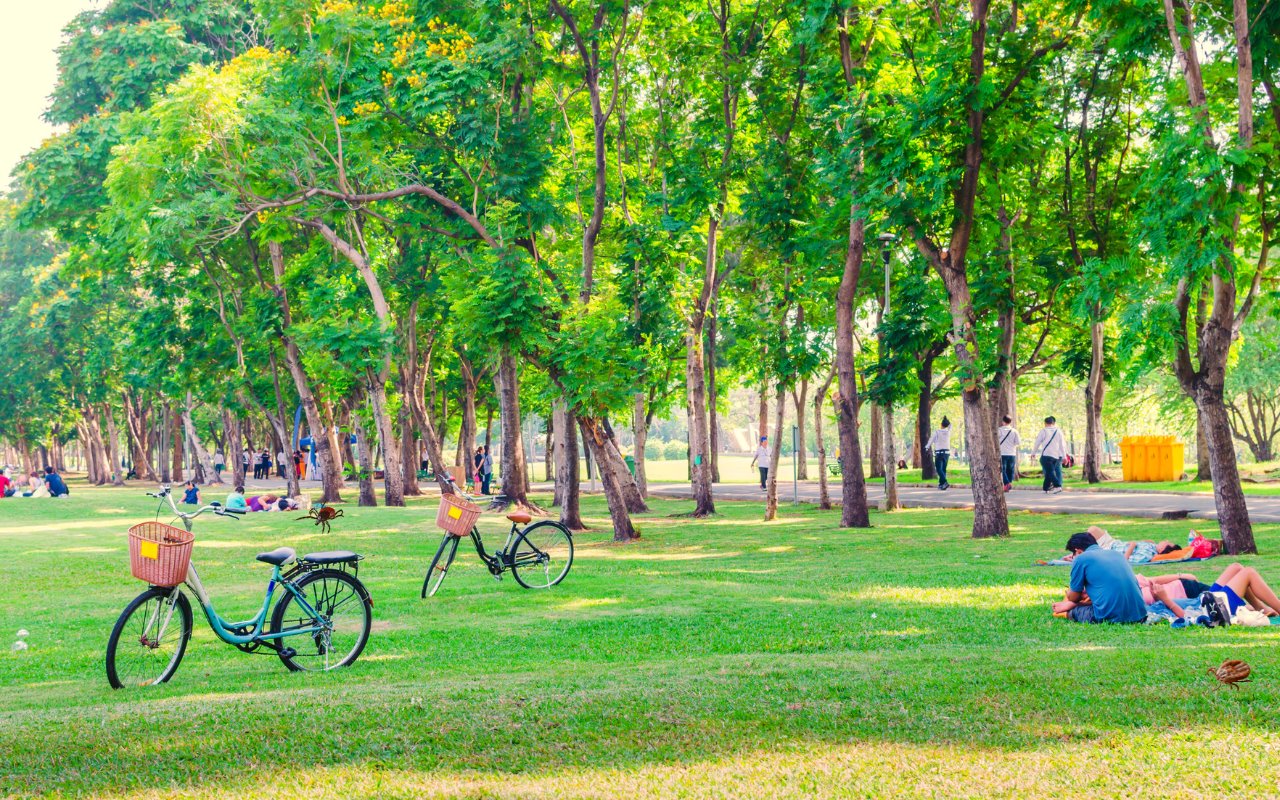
[1127, 503]
[1118, 504]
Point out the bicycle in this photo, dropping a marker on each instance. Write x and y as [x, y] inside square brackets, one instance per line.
[325, 608]
[539, 555]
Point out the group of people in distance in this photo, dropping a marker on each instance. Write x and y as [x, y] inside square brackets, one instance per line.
[482, 469]
[1049, 446]
[1104, 588]
[262, 463]
[236, 501]
[48, 484]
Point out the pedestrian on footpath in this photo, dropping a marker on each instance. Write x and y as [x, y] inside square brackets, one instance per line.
[940, 444]
[763, 459]
[1008, 438]
[1051, 449]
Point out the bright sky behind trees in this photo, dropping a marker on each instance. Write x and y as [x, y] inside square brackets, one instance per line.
[28, 40]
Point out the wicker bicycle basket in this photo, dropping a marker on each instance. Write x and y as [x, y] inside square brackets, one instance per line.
[457, 515]
[159, 554]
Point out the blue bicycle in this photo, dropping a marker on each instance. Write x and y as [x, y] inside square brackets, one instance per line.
[321, 621]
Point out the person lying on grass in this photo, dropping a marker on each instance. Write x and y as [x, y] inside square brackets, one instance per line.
[1104, 588]
[1139, 552]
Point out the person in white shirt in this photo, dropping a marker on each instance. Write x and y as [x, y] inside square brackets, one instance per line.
[763, 459]
[940, 444]
[219, 464]
[1008, 439]
[1051, 449]
[280, 463]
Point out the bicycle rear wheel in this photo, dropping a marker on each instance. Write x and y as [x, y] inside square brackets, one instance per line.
[149, 639]
[542, 555]
[440, 565]
[345, 610]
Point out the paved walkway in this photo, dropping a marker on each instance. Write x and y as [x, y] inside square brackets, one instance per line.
[1153, 505]
[1119, 504]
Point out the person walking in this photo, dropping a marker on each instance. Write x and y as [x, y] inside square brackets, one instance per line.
[763, 458]
[266, 463]
[940, 444]
[486, 469]
[219, 463]
[280, 463]
[1008, 439]
[244, 462]
[1051, 449]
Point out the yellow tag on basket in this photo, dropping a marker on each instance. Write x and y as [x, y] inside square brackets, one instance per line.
[149, 550]
[455, 512]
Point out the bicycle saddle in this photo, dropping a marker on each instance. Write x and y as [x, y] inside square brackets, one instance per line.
[331, 557]
[278, 556]
[519, 518]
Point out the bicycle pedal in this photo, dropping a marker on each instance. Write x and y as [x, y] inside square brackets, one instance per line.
[288, 652]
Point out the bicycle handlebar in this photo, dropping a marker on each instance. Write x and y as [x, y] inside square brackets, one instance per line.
[166, 494]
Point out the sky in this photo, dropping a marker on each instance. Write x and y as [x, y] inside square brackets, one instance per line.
[30, 32]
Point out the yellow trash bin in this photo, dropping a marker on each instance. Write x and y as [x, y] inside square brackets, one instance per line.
[1146, 459]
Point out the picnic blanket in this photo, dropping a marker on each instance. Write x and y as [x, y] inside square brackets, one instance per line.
[1167, 558]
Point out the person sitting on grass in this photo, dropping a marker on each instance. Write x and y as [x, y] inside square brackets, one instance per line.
[1103, 587]
[57, 486]
[191, 496]
[236, 501]
[38, 487]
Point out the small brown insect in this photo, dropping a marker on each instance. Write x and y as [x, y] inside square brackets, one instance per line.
[323, 515]
[1232, 672]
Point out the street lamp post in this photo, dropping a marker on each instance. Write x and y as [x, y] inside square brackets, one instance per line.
[891, 503]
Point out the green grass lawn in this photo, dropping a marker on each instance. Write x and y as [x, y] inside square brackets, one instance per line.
[719, 658]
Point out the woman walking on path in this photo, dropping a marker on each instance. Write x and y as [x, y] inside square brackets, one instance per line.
[1008, 439]
[940, 444]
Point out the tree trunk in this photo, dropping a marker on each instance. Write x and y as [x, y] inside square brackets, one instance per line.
[113, 441]
[321, 441]
[820, 399]
[234, 444]
[713, 394]
[855, 513]
[890, 464]
[1204, 469]
[1233, 513]
[699, 434]
[202, 461]
[801, 457]
[630, 491]
[408, 452]
[598, 441]
[549, 451]
[877, 441]
[364, 462]
[162, 444]
[568, 483]
[762, 417]
[135, 420]
[280, 421]
[467, 431]
[775, 455]
[176, 438]
[392, 472]
[924, 421]
[506, 381]
[1094, 392]
[640, 429]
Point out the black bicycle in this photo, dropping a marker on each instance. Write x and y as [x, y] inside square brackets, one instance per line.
[538, 555]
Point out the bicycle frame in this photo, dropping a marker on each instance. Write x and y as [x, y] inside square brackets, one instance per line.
[502, 560]
[226, 629]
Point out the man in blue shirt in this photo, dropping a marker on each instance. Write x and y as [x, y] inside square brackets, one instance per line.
[1107, 580]
[57, 486]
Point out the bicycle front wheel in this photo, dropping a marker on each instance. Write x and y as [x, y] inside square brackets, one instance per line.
[542, 555]
[149, 639]
[440, 566]
[345, 616]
